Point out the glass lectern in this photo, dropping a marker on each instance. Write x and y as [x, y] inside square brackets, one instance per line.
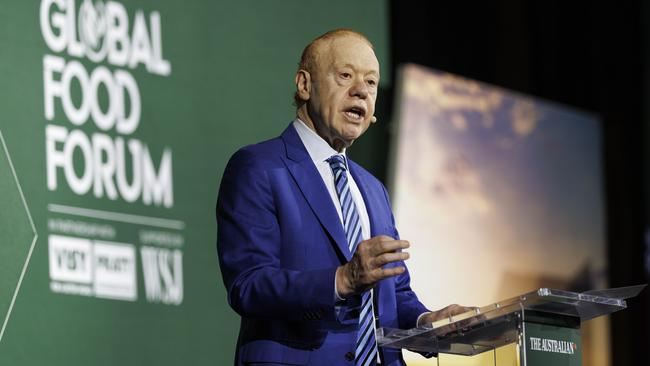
[545, 325]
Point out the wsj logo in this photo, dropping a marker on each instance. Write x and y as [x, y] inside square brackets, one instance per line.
[163, 274]
[92, 268]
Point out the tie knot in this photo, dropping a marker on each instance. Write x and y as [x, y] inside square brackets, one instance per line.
[337, 162]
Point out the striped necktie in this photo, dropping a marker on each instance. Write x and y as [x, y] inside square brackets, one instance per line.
[366, 346]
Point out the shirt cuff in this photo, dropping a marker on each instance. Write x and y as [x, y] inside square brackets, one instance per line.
[417, 323]
[337, 297]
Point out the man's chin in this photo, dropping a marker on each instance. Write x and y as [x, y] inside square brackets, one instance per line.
[342, 142]
[350, 139]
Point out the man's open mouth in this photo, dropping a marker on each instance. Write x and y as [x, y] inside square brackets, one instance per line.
[355, 113]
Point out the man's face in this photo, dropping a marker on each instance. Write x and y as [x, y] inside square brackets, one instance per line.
[343, 90]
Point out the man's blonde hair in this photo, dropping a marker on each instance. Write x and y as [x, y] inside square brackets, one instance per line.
[309, 57]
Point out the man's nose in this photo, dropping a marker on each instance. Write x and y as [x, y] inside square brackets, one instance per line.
[359, 89]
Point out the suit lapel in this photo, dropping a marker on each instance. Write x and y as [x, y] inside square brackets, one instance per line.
[313, 188]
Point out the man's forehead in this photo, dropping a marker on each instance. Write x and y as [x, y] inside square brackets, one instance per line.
[347, 50]
[349, 38]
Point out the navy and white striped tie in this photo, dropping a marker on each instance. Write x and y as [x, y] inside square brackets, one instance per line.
[366, 346]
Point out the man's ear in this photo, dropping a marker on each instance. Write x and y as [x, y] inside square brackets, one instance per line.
[303, 84]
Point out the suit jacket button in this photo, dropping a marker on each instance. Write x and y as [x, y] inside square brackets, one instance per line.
[349, 356]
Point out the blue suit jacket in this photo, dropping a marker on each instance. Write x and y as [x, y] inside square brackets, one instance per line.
[280, 241]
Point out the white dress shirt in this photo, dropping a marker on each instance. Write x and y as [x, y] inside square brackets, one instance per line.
[319, 151]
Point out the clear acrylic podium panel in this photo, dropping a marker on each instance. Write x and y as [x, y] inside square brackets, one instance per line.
[498, 324]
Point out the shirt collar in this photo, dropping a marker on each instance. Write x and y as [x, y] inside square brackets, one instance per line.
[319, 150]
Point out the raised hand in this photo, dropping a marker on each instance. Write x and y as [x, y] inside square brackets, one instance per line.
[366, 267]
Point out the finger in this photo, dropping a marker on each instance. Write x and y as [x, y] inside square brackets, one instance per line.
[450, 311]
[446, 311]
[455, 309]
[446, 330]
[478, 317]
[383, 273]
[386, 258]
[382, 238]
[465, 309]
[466, 323]
[388, 246]
[367, 246]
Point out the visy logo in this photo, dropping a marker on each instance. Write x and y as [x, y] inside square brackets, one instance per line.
[70, 259]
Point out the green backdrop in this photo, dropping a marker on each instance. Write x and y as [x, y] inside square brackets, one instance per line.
[114, 249]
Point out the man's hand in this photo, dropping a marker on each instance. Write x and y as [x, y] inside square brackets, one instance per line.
[365, 268]
[445, 313]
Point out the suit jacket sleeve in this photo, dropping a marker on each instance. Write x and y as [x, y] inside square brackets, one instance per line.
[249, 247]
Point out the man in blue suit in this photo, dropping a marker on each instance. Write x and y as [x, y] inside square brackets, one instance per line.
[307, 243]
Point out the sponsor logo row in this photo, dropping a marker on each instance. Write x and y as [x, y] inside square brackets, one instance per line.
[105, 269]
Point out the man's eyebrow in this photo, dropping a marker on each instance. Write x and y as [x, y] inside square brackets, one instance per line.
[337, 66]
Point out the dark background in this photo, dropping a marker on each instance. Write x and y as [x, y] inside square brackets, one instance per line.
[590, 55]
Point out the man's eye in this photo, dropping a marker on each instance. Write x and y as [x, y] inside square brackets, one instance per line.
[346, 75]
[372, 82]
